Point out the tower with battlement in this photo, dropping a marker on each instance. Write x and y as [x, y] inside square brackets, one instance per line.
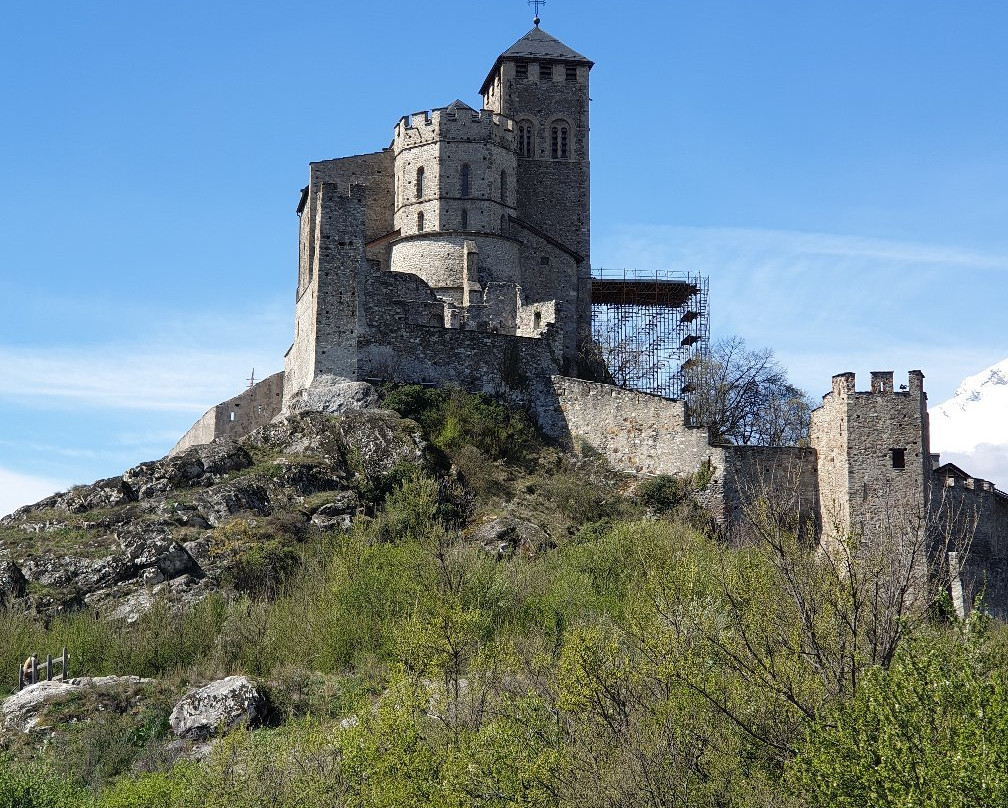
[873, 450]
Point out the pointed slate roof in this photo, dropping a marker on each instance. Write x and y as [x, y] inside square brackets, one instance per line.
[458, 104]
[536, 45]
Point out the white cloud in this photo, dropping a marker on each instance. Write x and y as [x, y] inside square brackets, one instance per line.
[830, 303]
[987, 461]
[189, 365]
[18, 489]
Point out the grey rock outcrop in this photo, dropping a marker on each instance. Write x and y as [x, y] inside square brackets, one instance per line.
[218, 708]
[506, 535]
[22, 711]
[333, 395]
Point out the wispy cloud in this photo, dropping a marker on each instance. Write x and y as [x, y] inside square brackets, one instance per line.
[828, 303]
[18, 489]
[188, 365]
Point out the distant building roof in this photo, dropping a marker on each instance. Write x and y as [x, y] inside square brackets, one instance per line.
[537, 44]
[458, 104]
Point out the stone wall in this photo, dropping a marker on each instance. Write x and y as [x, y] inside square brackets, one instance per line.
[636, 432]
[972, 515]
[776, 482]
[237, 416]
[874, 454]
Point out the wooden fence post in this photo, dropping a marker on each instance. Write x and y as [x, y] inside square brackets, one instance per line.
[48, 667]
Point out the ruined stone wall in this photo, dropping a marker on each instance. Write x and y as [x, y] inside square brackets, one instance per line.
[237, 416]
[636, 432]
[783, 478]
[972, 515]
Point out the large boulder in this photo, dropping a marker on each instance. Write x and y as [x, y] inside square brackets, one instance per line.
[218, 708]
[12, 582]
[333, 395]
[506, 535]
[197, 466]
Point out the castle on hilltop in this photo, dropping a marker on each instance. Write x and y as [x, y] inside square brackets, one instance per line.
[460, 255]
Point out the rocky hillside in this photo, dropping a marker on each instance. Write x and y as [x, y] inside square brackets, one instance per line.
[166, 529]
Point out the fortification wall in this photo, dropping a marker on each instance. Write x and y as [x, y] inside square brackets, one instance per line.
[237, 416]
[376, 173]
[636, 432]
[776, 482]
[972, 514]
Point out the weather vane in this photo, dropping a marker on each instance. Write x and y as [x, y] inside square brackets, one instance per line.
[535, 4]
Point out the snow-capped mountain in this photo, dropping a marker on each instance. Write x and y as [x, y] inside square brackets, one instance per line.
[971, 428]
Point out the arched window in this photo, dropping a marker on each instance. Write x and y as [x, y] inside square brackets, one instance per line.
[465, 219]
[559, 142]
[419, 182]
[419, 221]
[555, 142]
[563, 143]
[464, 183]
[504, 187]
[525, 139]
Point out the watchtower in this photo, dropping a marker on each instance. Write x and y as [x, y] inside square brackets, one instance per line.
[874, 455]
[542, 85]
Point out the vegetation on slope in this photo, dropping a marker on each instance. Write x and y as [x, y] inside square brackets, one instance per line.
[625, 657]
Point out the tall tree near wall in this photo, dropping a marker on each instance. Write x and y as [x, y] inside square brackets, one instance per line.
[743, 396]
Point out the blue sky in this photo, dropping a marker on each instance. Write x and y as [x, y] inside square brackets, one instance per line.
[838, 169]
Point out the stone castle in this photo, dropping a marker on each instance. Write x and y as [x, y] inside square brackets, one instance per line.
[460, 255]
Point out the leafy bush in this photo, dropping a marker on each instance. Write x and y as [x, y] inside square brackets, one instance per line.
[453, 419]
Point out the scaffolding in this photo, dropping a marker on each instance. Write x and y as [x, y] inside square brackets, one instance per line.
[650, 326]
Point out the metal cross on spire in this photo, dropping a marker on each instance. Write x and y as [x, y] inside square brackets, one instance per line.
[536, 4]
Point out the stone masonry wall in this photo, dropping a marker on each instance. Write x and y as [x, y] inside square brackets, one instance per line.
[636, 432]
[973, 515]
[237, 416]
[782, 477]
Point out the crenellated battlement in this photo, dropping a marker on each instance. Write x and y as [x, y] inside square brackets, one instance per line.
[453, 123]
[844, 384]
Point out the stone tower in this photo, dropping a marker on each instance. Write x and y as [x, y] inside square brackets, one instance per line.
[873, 455]
[542, 85]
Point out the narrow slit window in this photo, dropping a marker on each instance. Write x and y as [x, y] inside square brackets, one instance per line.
[898, 458]
[419, 182]
[464, 183]
[465, 219]
[419, 222]
[504, 224]
[554, 143]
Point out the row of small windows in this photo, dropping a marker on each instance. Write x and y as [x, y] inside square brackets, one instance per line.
[559, 141]
[545, 71]
[463, 221]
[464, 184]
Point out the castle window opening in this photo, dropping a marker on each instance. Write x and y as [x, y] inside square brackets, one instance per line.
[545, 72]
[571, 73]
[419, 182]
[465, 219]
[419, 222]
[554, 143]
[898, 458]
[537, 319]
[563, 142]
[232, 415]
[525, 139]
[521, 71]
[504, 187]
[464, 190]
